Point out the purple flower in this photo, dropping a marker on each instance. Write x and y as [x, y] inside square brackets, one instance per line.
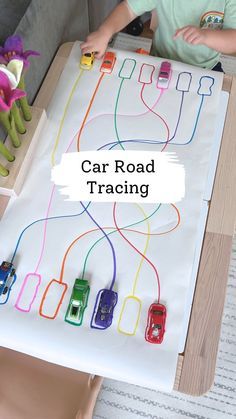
[7, 95]
[13, 48]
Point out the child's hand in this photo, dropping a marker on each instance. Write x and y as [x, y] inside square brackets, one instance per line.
[96, 42]
[192, 35]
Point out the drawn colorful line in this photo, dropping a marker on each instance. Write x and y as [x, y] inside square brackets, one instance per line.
[64, 216]
[64, 117]
[136, 231]
[46, 219]
[53, 158]
[136, 277]
[60, 281]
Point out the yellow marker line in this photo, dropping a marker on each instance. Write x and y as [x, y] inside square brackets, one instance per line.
[135, 282]
[63, 118]
[144, 252]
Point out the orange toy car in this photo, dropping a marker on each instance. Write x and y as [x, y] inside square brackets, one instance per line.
[108, 62]
[142, 51]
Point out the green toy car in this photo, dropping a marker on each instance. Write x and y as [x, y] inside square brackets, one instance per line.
[78, 302]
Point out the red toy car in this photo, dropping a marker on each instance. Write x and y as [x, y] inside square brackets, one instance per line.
[108, 62]
[155, 329]
[164, 75]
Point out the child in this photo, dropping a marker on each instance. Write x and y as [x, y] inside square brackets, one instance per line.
[194, 32]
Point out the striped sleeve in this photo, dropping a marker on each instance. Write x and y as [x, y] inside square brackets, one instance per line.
[139, 7]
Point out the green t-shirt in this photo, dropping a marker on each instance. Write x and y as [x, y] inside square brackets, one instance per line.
[174, 14]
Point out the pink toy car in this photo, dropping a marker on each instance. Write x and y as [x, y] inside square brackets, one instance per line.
[164, 76]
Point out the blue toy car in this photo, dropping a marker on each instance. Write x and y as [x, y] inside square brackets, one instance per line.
[7, 277]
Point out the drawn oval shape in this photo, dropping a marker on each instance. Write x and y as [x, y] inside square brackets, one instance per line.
[205, 86]
[28, 292]
[130, 315]
[184, 81]
[146, 74]
[52, 299]
[127, 68]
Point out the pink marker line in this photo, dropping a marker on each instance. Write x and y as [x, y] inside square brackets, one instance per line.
[158, 115]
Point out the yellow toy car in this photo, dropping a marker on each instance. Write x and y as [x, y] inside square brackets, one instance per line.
[87, 60]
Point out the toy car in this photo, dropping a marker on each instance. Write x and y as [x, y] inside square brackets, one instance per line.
[107, 303]
[87, 60]
[108, 62]
[156, 323]
[164, 76]
[7, 277]
[78, 302]
[142, 51]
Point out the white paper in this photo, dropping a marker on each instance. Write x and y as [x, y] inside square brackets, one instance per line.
[141, 112]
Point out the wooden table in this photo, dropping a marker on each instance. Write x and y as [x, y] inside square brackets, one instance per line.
[196, 365]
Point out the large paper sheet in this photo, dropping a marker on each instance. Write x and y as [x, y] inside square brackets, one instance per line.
[91, 111]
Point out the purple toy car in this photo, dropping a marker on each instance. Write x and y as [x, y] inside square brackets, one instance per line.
[105, 303]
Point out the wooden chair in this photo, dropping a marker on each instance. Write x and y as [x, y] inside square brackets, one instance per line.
[34, 389]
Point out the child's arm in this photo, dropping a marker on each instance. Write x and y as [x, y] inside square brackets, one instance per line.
[97, 41]
[223, 41]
